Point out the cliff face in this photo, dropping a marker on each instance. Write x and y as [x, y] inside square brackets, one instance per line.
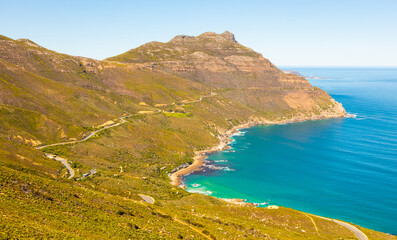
[217, 60]
[243, 75]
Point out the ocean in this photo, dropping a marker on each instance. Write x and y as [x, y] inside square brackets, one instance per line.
[339, 168]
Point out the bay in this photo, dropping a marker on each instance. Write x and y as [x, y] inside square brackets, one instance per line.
[338, 168]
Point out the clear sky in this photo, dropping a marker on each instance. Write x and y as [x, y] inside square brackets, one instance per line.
[289, 33]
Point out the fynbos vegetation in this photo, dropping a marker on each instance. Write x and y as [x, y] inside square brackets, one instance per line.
[176, 97]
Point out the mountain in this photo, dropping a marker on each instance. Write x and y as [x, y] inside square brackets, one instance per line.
[241, 74]
[127, 122]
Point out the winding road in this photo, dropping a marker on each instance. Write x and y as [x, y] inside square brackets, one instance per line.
[64, 162]
[121, 121]
[360, 235]
[147, 199]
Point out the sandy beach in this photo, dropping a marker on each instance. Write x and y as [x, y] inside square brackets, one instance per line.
[176, 178]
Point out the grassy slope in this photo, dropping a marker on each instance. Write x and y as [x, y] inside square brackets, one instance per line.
[103, 206]
[39, 103]
[37, 200]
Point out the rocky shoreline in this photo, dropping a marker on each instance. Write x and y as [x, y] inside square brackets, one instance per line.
[225, 138]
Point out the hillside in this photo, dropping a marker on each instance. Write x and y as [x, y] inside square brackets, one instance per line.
[239, 73]
[161, 102]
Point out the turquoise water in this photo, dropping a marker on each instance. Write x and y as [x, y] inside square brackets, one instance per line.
[338, 168]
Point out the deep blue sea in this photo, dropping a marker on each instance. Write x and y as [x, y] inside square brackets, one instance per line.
[338, 168]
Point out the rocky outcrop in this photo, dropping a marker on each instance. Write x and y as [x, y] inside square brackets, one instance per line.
[220, 62]
[214, 59]
[229, 36]
[181, 37]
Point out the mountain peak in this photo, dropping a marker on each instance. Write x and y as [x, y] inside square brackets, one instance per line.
[225, 35]
[209, 34]
[229, 36]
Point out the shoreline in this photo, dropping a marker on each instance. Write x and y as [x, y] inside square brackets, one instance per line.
[225, 139]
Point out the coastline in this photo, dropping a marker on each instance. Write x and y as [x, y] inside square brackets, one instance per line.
[225, 139]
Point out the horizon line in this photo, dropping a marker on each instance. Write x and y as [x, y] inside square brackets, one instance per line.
[331, 66]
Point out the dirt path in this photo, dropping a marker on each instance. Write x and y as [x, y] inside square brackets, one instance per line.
[314, 223]
[193, 228]
[188, 225]
[197, 230]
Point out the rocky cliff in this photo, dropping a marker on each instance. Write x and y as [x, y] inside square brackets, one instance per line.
[241, 74]
[217, 60]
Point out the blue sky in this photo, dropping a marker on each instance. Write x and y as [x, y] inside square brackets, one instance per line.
[289, 33]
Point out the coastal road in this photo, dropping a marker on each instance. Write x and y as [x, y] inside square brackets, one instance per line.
[121, 119]
[360, 235]
[147, 199]
[64, 162]
[201, 98]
